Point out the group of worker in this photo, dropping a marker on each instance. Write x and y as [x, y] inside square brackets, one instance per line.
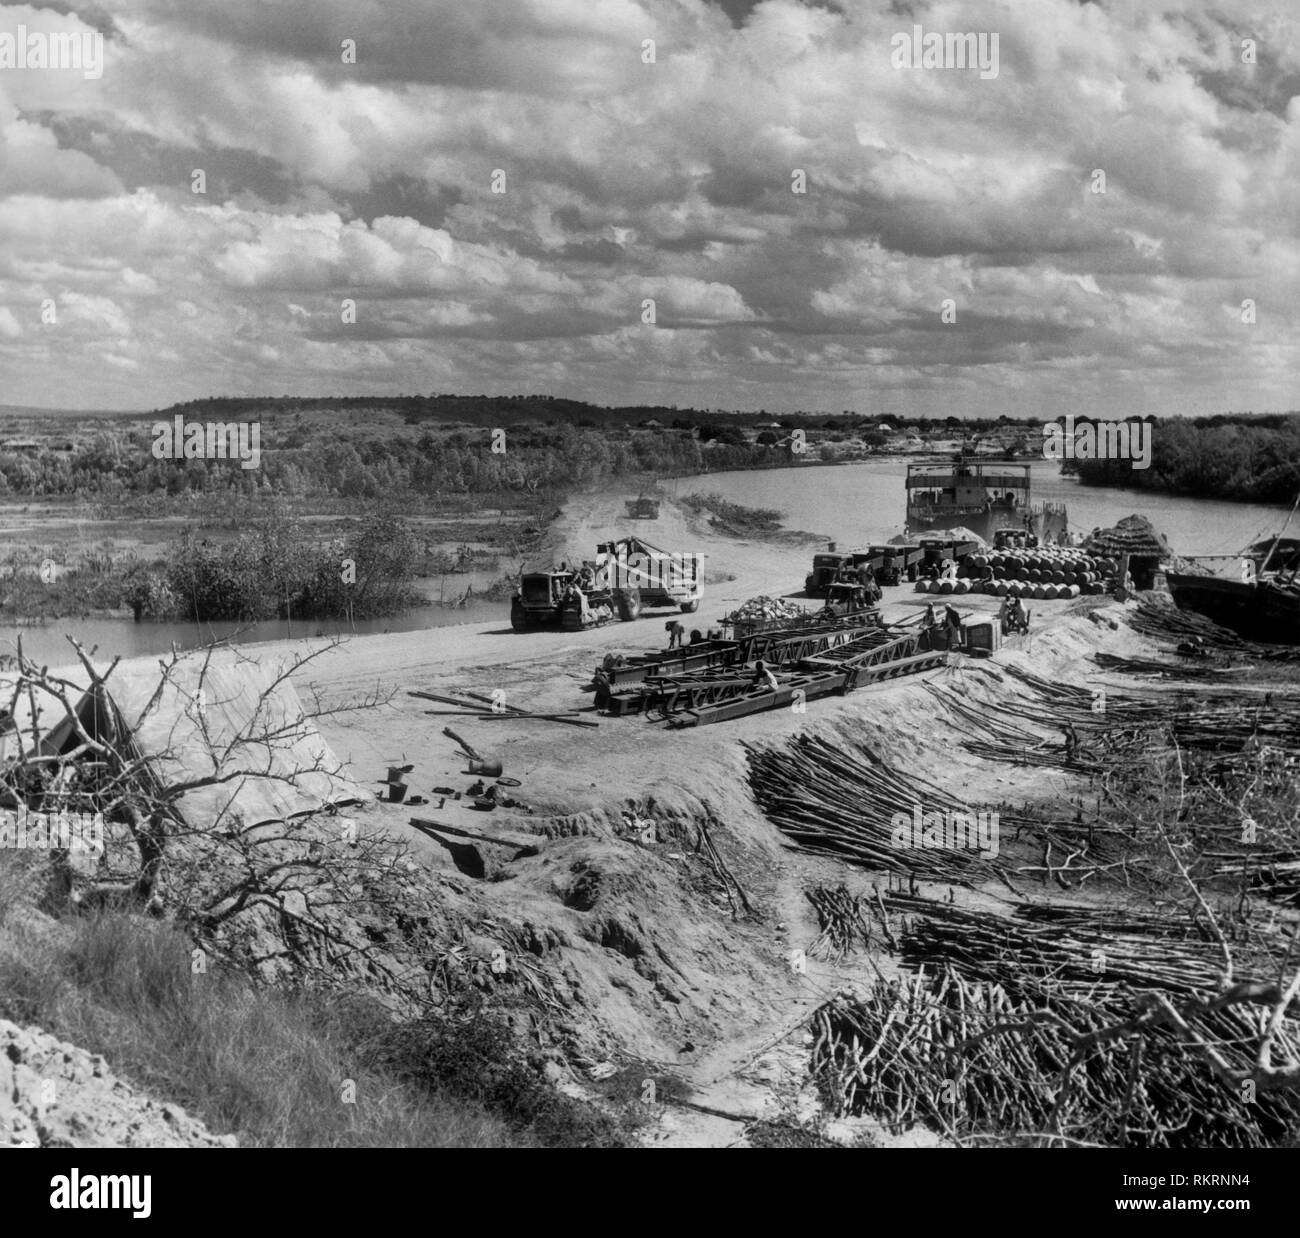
[864, 576]
[950, 624]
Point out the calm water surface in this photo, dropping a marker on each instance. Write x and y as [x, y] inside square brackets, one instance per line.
[857, 503]
[851, 503]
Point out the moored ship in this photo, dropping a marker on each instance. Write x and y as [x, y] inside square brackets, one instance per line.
[1263, 604]
[985, 496]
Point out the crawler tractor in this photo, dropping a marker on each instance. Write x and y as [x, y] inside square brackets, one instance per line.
[571, 599]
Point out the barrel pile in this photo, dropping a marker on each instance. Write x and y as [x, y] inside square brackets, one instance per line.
[1044, 574]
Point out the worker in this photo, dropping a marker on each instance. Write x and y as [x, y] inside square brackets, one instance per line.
[867, 579]
[1017, 616]
[952, 627]
[1004, 615]
[763, 677]
[676, 633]
[575, 594]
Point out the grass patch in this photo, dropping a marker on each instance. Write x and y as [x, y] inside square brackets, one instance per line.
[736, 520]
[271, 1066]
[475, 1059]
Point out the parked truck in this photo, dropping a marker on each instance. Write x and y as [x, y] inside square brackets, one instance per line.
[830, 566]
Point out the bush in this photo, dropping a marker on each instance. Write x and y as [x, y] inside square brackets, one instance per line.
[277, 570]
[268, 1066]
[477, 1059]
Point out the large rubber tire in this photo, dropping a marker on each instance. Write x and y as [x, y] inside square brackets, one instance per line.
[689, 608]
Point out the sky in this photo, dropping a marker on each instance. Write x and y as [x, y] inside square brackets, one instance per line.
[494, 196]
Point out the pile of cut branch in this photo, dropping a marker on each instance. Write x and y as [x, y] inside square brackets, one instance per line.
[834, 801]
[844, 920]
[1065, 1025]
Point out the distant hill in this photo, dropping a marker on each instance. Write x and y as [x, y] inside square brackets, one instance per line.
[23, 411]
[482, 410]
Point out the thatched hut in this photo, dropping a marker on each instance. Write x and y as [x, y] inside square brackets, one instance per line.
[1136, 537]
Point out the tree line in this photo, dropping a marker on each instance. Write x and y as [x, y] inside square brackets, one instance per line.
[1247, 460]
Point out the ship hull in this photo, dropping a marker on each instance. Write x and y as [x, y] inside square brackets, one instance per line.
[1260, 612]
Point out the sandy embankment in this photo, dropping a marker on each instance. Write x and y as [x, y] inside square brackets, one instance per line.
[652, 963]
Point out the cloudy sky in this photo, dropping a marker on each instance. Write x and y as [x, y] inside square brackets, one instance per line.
[672, 180]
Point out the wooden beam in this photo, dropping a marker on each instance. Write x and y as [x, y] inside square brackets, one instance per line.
[502, 836]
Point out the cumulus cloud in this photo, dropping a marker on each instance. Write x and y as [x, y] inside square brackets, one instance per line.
[501, 187]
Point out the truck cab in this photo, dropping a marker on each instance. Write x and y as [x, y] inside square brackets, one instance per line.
[825, 567]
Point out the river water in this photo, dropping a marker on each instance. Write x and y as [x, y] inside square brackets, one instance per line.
[850, 503]
[858, 503]
[124, 637]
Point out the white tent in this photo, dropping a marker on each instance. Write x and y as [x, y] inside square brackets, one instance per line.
[222, 722]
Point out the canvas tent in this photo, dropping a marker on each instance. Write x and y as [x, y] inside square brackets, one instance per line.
[224, 719]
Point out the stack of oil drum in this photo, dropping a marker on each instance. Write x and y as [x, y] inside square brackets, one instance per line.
[1044, 573]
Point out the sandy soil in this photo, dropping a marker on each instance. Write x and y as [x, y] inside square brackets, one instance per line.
[723, 1008]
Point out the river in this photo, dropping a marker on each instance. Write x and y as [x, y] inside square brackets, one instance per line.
[858, 503]
[851, 503]
[45, 641]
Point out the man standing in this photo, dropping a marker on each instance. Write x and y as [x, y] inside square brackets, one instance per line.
[952, 627]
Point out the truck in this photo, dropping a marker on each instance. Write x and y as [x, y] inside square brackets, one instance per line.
[936, 549]
[627, 576]
[830, 566]
[892, 561]
[662, 577]
[642, 508]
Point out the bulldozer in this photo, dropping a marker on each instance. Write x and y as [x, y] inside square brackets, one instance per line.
[848, 596]
[573, 599]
